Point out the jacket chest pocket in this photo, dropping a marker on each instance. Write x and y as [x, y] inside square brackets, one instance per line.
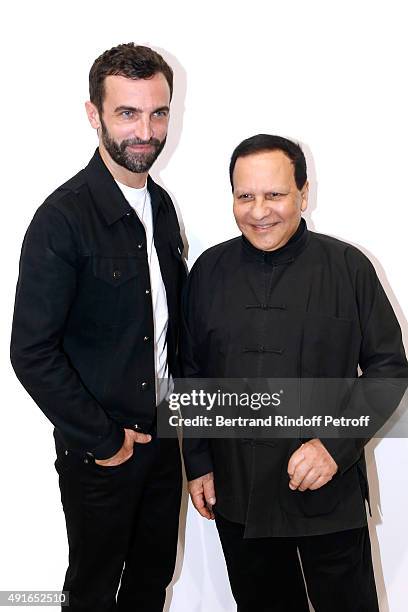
[114, 289]
[115, 271]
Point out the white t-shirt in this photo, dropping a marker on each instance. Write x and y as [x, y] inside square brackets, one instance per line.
[139, 200]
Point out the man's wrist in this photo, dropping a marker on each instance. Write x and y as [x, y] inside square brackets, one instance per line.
[344, 452]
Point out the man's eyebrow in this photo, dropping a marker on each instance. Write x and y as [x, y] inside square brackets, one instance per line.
[278, 189]
[134, 109]
[161, 108]
[120, 109]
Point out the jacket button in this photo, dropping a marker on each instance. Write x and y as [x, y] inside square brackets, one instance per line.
[147, 292]
[117, 274]
[86, 460]
[140, 246]
[145, 386]
[146, 339]
[66, 452]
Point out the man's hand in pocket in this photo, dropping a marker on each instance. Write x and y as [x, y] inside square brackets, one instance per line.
[126, 450]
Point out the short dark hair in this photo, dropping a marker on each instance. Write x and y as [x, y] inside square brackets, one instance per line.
[128, 60]
[268, 142]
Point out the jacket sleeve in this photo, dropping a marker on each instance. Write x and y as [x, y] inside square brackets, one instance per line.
[382, 361]
[46, 290]
[196, 451]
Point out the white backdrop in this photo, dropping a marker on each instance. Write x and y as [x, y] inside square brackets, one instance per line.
[330, 74]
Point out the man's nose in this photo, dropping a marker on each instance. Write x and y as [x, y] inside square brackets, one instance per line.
[144, 128]
[260, 209]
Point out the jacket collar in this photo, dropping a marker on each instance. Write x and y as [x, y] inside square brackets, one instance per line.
[285, 254]
[107, 195]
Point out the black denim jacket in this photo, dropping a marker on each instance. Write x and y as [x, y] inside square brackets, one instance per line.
[83, 338]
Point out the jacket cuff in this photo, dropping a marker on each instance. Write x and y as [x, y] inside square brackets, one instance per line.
[111, 444]
[345, 452]
[197, 464]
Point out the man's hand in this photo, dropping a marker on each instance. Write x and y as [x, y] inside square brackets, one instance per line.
[202, 494]
[126, 450]
[311, 466]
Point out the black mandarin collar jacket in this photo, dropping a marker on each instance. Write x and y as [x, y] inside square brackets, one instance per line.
[83, 337]
[311, 309]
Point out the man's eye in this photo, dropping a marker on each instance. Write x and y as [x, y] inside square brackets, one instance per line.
[274, 195]
[245, 196]
[127, 114]
[161, 113]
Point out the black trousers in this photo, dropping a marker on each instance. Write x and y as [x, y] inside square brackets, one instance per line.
[122, 526]
[265, 573]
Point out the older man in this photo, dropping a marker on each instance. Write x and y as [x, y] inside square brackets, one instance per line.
[282, 301]
[94, 340]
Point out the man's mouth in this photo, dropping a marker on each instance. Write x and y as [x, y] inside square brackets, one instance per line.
[140, 147]
[263, 227]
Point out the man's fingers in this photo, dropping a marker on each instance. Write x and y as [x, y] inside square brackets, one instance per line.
[142, 438]
[317, 463]
[295, 459]
[299, 474]
[209, 492]
[202, 492]
[113, 462]
[200, 505]
[311, 477]
[320, 482]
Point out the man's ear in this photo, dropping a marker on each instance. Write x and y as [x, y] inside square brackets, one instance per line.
[304, 194]
[93, 115]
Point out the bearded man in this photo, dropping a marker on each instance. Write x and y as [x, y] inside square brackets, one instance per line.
[94, 340]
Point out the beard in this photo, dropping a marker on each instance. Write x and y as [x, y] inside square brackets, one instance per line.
[135, 162]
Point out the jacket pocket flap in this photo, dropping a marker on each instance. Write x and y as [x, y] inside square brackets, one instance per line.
[114, 270]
